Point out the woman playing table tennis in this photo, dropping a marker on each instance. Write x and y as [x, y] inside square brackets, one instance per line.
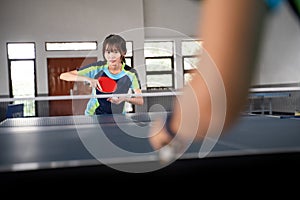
[111, 76]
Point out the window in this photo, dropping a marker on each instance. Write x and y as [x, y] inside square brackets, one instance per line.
[21, 62]
[71, 46]
[129, 54]
[159, 60]
[129, 61]
[84, 46]
[190, 49]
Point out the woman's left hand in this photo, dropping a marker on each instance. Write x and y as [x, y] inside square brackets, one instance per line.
[116, 100]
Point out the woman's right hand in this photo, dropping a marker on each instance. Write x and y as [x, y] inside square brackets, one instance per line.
[94, 83]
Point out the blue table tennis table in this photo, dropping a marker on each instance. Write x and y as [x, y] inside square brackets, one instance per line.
[71, 146]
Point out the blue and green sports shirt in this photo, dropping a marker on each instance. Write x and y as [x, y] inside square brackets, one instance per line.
[127, 79]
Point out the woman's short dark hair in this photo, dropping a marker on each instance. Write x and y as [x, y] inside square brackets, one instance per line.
[112, 42]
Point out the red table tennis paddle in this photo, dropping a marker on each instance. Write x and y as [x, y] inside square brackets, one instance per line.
[107, 84]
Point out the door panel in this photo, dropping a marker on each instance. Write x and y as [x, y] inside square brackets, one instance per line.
[58, 87]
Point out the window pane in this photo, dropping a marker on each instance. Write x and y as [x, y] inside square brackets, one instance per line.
[159, 80]
[70, 46]
[190, 63]
[21, 50]
[129, 48]
[128, 61]
[187, 77]
[158, 64]
[22, 75]
[193, 47]
[153, 49]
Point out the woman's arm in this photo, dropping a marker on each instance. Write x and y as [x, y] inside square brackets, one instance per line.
[136, 100]
[74, 76]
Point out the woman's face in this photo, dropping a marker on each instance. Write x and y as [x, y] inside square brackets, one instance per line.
[112, 55]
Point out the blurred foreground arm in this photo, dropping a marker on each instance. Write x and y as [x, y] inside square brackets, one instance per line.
[231, 33]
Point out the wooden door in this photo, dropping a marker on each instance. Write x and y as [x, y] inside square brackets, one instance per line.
[57, 87]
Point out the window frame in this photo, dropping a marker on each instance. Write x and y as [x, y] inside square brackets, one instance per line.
[164, 72]
[184, 57]
[9, 63]
[187, 71]
[71, 42]
[132, 54]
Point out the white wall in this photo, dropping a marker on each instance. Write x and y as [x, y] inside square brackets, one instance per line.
[40, 21]
[280, 54]
[172, 20]
[68, 20]
[279, 60]
[177, 15]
